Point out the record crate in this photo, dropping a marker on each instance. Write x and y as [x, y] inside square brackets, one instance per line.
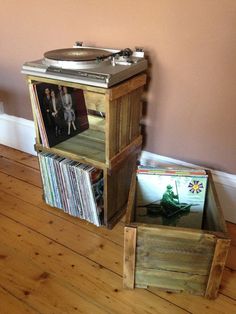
[176, 259]
[112, 140]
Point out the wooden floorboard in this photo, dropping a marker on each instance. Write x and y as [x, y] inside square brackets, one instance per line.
[54, 263]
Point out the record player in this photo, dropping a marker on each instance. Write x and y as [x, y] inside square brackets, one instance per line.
[101, 67]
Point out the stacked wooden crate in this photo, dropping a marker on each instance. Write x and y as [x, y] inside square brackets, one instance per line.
[112, 141]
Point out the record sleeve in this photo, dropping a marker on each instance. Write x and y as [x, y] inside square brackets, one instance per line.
[61, 112]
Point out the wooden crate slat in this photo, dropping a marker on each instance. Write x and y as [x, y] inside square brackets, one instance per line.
[90, 88]
[217, 267]
[129, 257]
[127, 87]
[125, 122]
[191, 255]
[135, 112]
[112, 130]
[118, 186]
[181, 259]
[171, 281]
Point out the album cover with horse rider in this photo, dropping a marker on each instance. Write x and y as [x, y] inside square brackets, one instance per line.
[174, 198]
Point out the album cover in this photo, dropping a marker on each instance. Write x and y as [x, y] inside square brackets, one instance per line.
[63, 111]
[175, 199]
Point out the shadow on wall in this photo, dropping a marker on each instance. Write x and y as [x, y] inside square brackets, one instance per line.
[151, 93]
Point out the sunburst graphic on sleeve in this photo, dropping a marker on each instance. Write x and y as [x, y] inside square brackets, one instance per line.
[195, 187]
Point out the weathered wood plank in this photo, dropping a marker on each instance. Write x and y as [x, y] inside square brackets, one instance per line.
[132, 148]
[171, 281]
[32, 78]
[127, 87]
[190, 243]
[112, 128]
[118, 186]
[217, 267]
[125, 122]
[136, 113]
[129, 257]
[173, 261]
[131, 200]
[71, 151]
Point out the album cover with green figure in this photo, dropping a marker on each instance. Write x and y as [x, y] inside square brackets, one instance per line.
[174, 198]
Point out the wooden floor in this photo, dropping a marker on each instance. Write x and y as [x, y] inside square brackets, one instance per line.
[53, 263]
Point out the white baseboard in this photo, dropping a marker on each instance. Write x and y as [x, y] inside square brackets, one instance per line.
[225, 183]
[19, 133]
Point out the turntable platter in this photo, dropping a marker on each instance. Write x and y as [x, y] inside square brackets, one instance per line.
[77, 54]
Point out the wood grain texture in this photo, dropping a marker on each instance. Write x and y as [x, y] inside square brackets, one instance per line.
[42, 280]
[183, 259]
[167, 280]
[129, 257]
[173, 261]
[131, 200]
[135, 112]
[82, 148]
[132, 148]
[124, 116]
[217, 267]
[127, 86]
[117, 185]
[89, 88]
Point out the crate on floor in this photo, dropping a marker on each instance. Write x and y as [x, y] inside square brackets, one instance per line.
[173, 258]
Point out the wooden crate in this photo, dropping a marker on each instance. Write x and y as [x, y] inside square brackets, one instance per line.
[112, 141]
[176, 259]
[110, 138]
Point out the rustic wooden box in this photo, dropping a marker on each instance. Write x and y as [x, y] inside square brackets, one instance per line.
[111, 142]
[176, 259]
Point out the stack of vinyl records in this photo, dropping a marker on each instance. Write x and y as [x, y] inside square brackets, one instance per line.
[171, 196]
[74, 187]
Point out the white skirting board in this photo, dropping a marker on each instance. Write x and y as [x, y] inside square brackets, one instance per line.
[19, 133]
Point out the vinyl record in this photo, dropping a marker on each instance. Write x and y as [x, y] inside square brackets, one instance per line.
[77, 54]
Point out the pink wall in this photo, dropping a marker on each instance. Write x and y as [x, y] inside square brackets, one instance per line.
[191, 45]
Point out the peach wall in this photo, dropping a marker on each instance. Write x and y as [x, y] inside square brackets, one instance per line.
[191, 45]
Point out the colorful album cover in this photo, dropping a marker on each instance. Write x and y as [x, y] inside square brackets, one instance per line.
[63, 111]
[174, 200]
